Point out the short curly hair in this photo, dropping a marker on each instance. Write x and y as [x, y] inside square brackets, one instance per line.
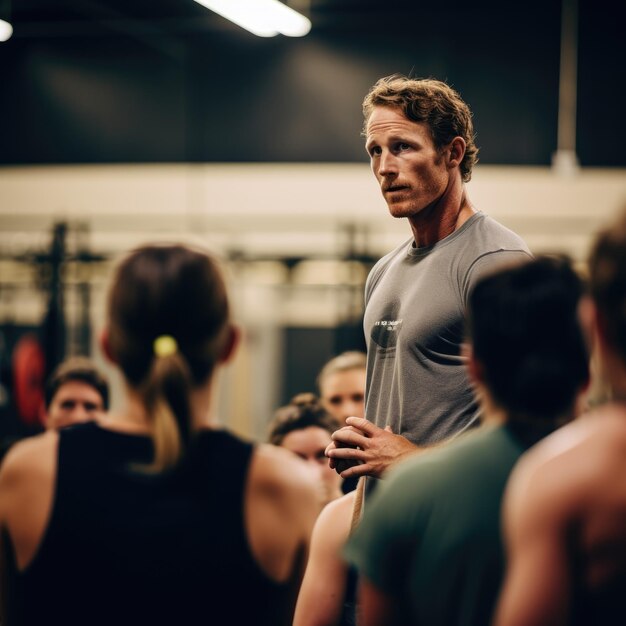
[430, 101]
[303, 411]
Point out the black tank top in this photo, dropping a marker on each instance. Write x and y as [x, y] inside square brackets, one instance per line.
[126, 548]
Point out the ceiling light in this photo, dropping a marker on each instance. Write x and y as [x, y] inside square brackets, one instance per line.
[6, 30]
[264, 18]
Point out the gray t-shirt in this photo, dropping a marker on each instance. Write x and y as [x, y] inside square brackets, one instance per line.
[415, 302]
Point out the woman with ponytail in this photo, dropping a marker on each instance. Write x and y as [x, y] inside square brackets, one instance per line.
[154, 515]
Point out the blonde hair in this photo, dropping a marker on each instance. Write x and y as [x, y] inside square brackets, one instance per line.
[344, 362]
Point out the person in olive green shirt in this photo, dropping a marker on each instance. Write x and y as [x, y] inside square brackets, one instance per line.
[429, 549]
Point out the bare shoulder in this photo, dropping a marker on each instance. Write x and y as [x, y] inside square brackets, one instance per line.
[29, 459]
[281, 507]
[556, 478]
[278, 471]
[26, 486]
[584, 448]
[338, 513]
[333, 524]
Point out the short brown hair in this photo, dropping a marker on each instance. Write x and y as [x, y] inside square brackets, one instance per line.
[607, 270]
[80, 369]
[303, 411]
[432, 102]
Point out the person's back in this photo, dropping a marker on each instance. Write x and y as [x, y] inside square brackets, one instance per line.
[578, 504]
[565, 506]
[98, 532]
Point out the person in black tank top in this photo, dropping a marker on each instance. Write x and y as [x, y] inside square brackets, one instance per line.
[154, 516]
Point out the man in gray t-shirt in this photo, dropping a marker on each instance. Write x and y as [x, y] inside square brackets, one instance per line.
[420, 139]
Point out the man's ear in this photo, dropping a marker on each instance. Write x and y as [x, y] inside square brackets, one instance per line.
[232, 343]
[105, 345]
[456, 152]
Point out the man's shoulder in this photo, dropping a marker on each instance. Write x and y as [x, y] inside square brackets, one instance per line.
[471, 458]
[581, 454]
[409, 495]
[489, 235]
[488, 247]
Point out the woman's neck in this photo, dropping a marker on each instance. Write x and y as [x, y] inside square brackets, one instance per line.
[134, 417]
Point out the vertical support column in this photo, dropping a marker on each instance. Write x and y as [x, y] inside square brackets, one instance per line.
[564, 160]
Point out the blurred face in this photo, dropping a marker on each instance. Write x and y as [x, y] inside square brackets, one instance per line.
[74, 402]
[411, 172]
[343, 394]
[309, 444]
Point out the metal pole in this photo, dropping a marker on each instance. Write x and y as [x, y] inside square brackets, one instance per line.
[564, 160]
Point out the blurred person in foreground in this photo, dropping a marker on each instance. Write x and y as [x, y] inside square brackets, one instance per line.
[304, 427]
[419, 136]
[429, 548]
[565, 506]
[76, 392]
[192, 524]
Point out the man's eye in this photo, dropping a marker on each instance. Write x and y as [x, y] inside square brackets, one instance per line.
[375, 151]
[403, 146]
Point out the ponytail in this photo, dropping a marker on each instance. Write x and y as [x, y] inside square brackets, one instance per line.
[168, 325]
[165, 393]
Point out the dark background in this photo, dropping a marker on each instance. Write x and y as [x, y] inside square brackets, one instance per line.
[169, 81]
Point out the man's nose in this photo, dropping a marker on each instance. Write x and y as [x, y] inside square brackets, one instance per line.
[387, 164]
[81, 414]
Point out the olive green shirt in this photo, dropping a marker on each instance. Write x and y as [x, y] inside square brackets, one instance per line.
[430, 535]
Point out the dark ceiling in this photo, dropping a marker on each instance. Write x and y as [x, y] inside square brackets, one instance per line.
[115, 81]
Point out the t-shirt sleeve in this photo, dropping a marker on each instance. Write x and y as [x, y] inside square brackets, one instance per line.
[489, 263]
[382, 546]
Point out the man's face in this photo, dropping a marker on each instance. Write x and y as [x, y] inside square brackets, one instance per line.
[74, 402]
[411, 172]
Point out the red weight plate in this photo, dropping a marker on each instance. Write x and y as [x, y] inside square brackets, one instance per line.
[29, 373]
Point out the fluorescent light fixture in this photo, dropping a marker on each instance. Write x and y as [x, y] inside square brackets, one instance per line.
[6, 30]
[265, 18]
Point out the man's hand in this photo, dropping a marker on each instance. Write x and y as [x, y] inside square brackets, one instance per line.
[363, 449]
